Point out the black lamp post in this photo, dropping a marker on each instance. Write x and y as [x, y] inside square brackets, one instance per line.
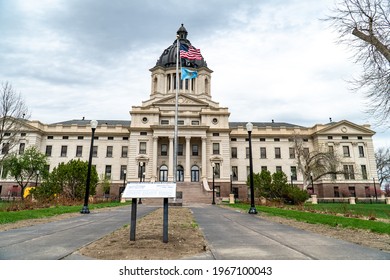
[252, 210]
[376, 195]
[141, 175]
[85, 209]
[124, 179]
[213, 165]
[36, 180]
[312, 184]
[231, 182]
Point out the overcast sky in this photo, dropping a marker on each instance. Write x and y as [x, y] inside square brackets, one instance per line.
[91, 58]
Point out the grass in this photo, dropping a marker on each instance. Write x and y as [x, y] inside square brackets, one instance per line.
[366, 210]
[326, 219]
[14, 216]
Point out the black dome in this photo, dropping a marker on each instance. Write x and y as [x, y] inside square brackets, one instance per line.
[168, 57]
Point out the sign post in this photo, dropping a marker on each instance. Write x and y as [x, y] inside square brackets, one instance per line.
[149, 190]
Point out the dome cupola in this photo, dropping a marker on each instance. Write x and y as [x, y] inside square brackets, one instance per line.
[168, 57]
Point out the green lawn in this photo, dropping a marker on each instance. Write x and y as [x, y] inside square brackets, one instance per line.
[367, 210]
[11, 217]
[301, 214]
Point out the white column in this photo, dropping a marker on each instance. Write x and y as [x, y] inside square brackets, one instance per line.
[154, 160]
[170, 160]
[188, 160]
[204, 158]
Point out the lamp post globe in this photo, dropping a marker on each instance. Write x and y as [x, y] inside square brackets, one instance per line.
[252, 209]
[85, 209]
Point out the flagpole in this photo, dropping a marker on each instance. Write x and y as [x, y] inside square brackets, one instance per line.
[176, 110]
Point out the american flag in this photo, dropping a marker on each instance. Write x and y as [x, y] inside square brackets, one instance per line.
[190, 52]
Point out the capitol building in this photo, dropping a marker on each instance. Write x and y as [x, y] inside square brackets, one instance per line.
[142, 147]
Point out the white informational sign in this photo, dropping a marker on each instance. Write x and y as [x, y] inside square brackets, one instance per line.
[150, 190]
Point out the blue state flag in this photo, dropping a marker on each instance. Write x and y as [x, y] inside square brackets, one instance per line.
[188, 74]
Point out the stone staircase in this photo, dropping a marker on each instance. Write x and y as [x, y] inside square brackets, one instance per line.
[187, 193]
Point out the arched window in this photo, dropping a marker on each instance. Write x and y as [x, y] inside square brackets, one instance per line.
[155, 81]
[206, 85]
[180, 173]
[194, 173]
[169, 81]
[163, 173]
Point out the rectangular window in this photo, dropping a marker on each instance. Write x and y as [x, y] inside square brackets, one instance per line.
[346, 151]
[361, 151]
[336, 192]
[65, 137]
[247, 152]
[142, 147]
[352, 191]
[194, 122]
[180, 149]
[164, 149]
[306, 152]
[112, 137]
[263, 152]
[279, 169]
[5, 148]
[109, 151]
[79, 151]
[108, 172]
[277, 139]
[233, 139]
[215, 148]
[64, 151]
[291, 152]
[122, 173]
[21, 148]
[367, 191]
[217, 170]
[80, 137]
[195, 150]
[349, 173]
[234, 173]
[234, 152]
[262, 139]
[364, 172]
[264, 168]
[215, 134]
[278, 153]
[124, 151]
[180, 122]
[331, 150]
[143, 133]
[164, 122]
[293, 170]
[95, 151]
[48, 150]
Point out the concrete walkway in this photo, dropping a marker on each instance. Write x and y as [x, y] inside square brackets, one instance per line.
[230, 235]
[239, 236]
[58, 240]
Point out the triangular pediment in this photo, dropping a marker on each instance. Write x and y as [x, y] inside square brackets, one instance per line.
[182, 100]
[345, 127]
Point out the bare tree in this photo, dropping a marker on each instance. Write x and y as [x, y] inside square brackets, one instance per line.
[13, 113]
[364, 25]
[315, 164]
[382, 158]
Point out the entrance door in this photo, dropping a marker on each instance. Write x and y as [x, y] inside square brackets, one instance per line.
[195, 174]
[180, 173]
[163, 173]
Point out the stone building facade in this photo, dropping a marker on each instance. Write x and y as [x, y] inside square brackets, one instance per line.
[207, 141]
